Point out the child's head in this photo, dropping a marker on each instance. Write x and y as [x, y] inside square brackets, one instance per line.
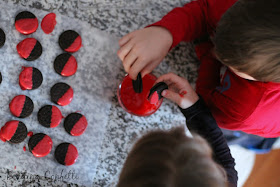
[248, 39]
[169, 159]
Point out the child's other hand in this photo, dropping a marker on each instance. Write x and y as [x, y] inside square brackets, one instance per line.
[179, 90]
[142, 50]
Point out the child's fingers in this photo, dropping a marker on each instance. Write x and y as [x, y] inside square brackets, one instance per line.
[164, 78]
[129, 60]
[173, 96]
[149, 67]
[179, 90]
[182, 100]
[136, 67]
[145, 71]
[171, 77]
[173, 87]
[124, 39]
[124, 50]
[175, 82]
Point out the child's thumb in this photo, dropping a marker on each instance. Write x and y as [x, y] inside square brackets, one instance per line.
[168, 94]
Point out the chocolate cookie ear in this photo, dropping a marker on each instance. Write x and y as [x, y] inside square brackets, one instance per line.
[29, 49]
[40, 145]
[155, 92]
[75, 124]
[137, 84]
[66, 154]
[62, 94]
[30, 78]
[21, 106]
[70, 41]
[13, 131]
[26, 22]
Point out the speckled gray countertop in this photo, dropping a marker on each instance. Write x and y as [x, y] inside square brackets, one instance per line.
[117, 17]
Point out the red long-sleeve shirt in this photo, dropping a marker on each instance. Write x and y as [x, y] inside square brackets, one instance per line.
[236, 103]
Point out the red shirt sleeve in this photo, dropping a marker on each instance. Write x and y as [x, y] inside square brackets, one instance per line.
[186, 23]
[194, 20]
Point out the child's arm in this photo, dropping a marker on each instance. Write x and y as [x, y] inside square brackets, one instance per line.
[188, 22]
[142, 50]
[200, 120]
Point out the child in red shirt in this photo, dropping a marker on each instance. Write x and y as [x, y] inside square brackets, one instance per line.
[239, 77]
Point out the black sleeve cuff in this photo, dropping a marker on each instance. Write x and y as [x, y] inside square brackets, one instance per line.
[195, 109]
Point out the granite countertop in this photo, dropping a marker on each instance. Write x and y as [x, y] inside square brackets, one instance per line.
[117, 17]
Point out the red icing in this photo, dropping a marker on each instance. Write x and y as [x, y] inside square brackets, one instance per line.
[66, 98]
[71, 155]
[154, 98]
[75, 46]
[16, 105]
[8, 130]
[2, 138]
[183, 93]
[25, 78]
[30, 133]
[70, 67]
[25, 47]
[80, 127]
[137, 103]
[48, 23]
[43, 148]
[56, 117]
[24, 148]
[27, 26]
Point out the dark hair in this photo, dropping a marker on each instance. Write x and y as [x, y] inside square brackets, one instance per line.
[248, 38]
[171, 159]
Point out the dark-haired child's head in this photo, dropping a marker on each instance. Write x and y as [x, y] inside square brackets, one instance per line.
[171, 159]
[247, 39]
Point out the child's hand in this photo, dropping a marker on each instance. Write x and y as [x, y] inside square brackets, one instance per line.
[142, 50]
[179, 90]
